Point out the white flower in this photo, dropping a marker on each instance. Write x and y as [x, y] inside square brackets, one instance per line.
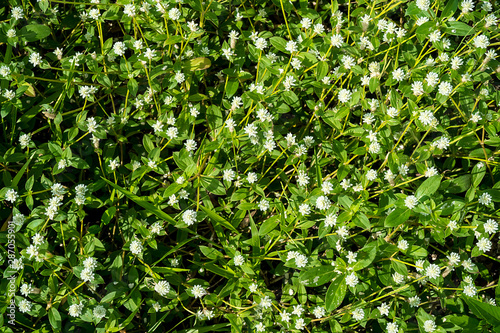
[491, 226]
[260, 43]
[411, 201]
[266, 302]
[398, 278]
[198, 291]
[24, 306]
[330, 220]
[302, 178]
[398, 74]
[179, 77]
[392, 327]
[435, 36]
[481, 41]
[162, 287]
[252, 177]
[264, 205]
[260, 327]
[319, 312]
[75, 310]
[99, 312]
[11, 33]
[475, 117]
[11, 195]
[467, 6]
[345, 183]
[414, 301]
[300, 324]
[113, 164]
[456, 62]
[150, 54]
[470, 290]
[432, 79]
[454, 259]
[485, 199]
[119, 48]
[384, 309]
[427, 117]
[174, 14]
[433, 271]
[403, 245]
[431, 171]
[301, 260]
[421, 20]
[190, 145]
[326, 187]
[4, 71]
[228, 175]
[17, 264]
[371, 175]
[429, 326]
[253, 287]
[136, 247]
[298, 310]
[26, 289]
[344, 95]
[87, 275]
[358, 314]
[442, 143]
[352, 280]
[291, 46]
[239, 260]
[35, 59]
[423, 4]
[445, 88]
[348, 62]
[337, 40]
[484, 244]
[17, 13]
[189, 217]
[323, 203]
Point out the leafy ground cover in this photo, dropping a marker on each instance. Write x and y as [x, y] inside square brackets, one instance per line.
[249, 166]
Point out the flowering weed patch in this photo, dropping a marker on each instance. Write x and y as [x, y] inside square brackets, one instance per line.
[249, 166]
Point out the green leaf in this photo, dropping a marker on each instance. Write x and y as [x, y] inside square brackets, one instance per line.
[231, 87]
[278, 43]
[321, 70]
[317, 276]
[226, 272]
[477, 175]
[255, 240]
[34, 32]
[397, 217]
[210, 252]
[484, 311]
[459, 184]
[335, 293]
[55, 319]
[366, 256]
[269, 225]
[361, 221]
[196, 64]
[143, 203]
[213, 185]
[450, 8]
[457, 28]
[21, 172]
[428, 187]
[147, 143]
[218, 219]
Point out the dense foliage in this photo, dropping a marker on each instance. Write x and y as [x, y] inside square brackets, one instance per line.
[249, 166]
